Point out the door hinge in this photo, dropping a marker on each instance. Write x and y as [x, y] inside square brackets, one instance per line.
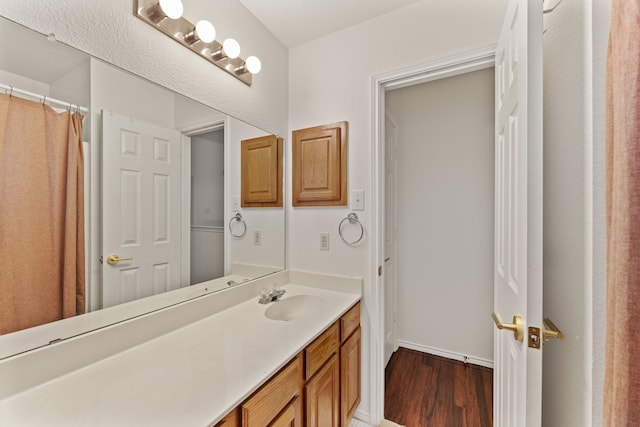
[534, 337]
[379, 270]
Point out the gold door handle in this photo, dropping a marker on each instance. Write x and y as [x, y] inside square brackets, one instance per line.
[517, 326]
[552, 332]
[114, 259]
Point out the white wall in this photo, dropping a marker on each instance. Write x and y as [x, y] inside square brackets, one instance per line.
[330, 81]
[24, 83]
[74, 87]
[444, 205]
[110, 31]
[574, 249]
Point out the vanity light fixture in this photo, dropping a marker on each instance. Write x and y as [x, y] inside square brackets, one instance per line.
[204, 30]
[164, 9]
[251, 65]
[166, 16]
[230, 49]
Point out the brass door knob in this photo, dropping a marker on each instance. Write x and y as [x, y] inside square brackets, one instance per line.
[517, 326]
[114, 259]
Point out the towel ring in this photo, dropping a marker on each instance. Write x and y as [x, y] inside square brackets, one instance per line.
[352, 218]
[238, 218]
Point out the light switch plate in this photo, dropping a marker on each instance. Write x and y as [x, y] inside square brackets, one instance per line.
[357, 200]
[257, 238]
[235, 203]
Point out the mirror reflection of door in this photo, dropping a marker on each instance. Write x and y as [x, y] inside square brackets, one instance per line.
[141, 209]
[207, 205]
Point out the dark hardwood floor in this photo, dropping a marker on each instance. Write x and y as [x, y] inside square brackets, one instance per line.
[425, 390]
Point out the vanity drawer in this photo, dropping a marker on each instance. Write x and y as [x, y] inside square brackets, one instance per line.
[349, 322]
[265, 405]
[231, 420]
[319, 351]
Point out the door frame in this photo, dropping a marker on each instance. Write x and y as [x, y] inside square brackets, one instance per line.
[449, 66]
[187, 133]
[393, 280]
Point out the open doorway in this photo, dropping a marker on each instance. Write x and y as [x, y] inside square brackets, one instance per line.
[439, 228]
[437, 287]
[207, 204]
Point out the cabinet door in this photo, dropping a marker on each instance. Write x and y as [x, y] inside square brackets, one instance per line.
[323, 396]
[290, 416]
[231, 420]
[261, 165]
[350, 376]
[319, 166]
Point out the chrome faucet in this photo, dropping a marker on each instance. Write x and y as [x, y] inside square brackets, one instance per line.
[267, 296]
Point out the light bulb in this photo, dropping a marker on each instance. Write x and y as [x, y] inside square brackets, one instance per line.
[231, 48]
[206, 31]
[253, 65]
[172, 8]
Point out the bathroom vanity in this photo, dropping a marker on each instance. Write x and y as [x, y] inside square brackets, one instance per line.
[320, 387]
[221, 359]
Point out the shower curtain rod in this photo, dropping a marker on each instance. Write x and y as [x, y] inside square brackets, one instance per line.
[10, 90]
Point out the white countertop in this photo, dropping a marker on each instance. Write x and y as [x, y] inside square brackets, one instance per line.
[191, 376]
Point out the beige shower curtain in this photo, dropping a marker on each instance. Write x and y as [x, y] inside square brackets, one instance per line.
[41, 214]
[622, 375]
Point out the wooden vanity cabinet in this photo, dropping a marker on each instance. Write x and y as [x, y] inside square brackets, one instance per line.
[350, 376]
[322, 373]
[232, 419]
[323, 379]
[332, 393]
[350, 364]
[290, 415]
[270, 404]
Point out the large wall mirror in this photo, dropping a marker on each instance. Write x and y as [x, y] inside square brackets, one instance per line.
[194, 208]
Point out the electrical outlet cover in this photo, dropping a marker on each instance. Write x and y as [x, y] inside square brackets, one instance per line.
[324, 241]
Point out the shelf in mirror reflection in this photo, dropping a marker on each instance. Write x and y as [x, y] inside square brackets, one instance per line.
[57, 70]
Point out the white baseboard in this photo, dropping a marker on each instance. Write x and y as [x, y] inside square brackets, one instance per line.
[446, 353]
[362, 416]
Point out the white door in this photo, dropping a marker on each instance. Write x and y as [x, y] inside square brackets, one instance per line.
[518, 214]
[390, 341]
[141, 209]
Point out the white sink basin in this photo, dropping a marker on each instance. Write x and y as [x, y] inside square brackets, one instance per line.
[294, 307]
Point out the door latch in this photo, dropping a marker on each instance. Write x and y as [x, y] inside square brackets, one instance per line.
[534, 337]
[539, 336]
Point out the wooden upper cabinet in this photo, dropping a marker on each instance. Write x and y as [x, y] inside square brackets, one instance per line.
[320, 165]
[261, 160]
